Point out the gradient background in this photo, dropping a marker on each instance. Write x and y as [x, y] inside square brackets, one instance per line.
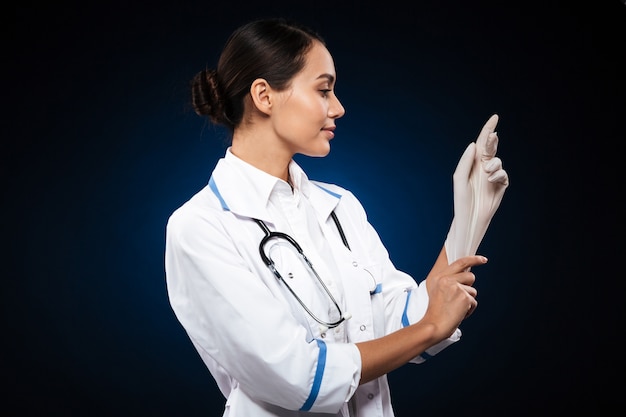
[100, 146]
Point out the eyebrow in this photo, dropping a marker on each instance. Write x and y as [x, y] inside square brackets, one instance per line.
[330, 78]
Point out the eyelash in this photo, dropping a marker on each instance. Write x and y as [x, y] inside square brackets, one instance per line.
[325, 92]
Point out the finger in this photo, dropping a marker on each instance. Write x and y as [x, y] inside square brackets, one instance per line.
[464, 167]
[490, 147]
[484, 137]
[472, 291]
[499, 177]
[466, 279]
[471, 308]
[492, 165]
[466, 262]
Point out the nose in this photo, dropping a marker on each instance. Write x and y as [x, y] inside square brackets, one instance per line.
[336, 110]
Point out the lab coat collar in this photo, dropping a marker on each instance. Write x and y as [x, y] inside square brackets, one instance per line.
[245, 190]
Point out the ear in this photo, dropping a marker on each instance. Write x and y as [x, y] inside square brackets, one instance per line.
[261, 94]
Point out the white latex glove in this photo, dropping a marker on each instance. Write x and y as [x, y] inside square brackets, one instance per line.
[479, 183]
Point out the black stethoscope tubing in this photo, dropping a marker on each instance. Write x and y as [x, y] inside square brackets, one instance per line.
[269, 235]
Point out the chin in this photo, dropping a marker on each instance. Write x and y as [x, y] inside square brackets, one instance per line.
[317, 153]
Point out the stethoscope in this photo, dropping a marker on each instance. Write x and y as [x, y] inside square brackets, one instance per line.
[269, 235]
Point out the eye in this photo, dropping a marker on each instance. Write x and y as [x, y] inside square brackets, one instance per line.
[325, 92]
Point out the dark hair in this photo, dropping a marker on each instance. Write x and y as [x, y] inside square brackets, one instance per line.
[273, 49]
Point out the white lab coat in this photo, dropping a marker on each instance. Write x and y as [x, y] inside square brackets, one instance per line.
[267, 356]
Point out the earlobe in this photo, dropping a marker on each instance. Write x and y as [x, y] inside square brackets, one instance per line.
[260, 92]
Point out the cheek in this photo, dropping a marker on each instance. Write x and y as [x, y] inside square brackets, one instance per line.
[310, 107]
[303, 114]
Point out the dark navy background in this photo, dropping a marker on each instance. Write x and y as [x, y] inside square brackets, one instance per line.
[101, 145]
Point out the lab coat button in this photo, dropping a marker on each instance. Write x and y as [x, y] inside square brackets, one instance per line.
[363, 327]
[355, 264]
[370, 396]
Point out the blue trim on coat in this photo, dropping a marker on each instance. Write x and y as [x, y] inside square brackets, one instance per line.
[217, 193]
[405, 317]
[379, 289]
[329, 192]
[319, 373]
[405, 322]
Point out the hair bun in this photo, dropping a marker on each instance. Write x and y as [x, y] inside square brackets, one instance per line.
[205, 95]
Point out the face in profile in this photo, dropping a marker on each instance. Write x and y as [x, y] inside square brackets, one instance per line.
[304, 115]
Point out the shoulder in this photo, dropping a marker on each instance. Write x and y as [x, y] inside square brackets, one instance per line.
[345, 196]
[202, 207]
[333, 189]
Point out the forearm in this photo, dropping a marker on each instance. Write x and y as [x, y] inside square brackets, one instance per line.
[451, 299]
[383, 355]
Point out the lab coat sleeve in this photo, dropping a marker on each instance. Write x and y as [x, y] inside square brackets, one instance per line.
[232, 317]
[416, 308]
[405, 301]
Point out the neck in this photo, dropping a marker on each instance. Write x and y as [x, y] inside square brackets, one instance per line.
[262, 154]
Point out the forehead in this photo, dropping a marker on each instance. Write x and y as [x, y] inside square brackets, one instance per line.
[319, 62]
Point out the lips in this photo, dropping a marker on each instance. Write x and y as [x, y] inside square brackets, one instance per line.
[330, 131]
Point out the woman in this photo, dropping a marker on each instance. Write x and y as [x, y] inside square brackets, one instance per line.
[281, 283]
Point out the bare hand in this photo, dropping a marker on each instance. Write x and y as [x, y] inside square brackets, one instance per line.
[452, 297]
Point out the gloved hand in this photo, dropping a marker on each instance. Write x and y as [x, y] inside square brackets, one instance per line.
[479, 183]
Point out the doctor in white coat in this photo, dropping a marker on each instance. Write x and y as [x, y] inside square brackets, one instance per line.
[281, 283]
